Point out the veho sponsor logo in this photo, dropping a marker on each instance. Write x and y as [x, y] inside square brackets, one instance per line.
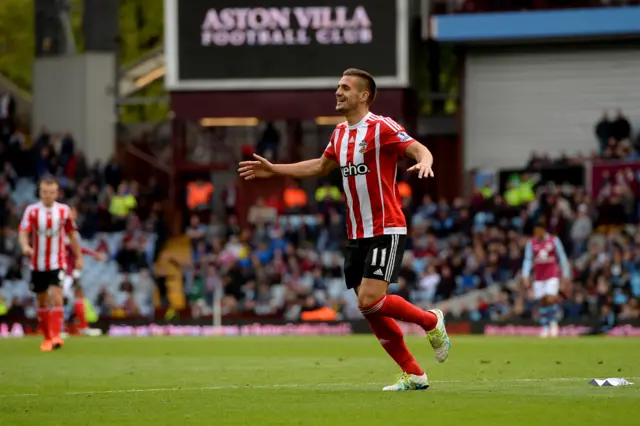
[48, 233]
[355, 169]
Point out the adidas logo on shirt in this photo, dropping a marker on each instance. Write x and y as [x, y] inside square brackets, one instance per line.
[378, 272]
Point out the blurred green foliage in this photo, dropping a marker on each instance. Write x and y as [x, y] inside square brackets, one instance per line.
[141, 30]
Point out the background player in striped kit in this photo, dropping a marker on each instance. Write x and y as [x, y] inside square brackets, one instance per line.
[366, 147]
[545, 255]
[72, 287]
[42, 231]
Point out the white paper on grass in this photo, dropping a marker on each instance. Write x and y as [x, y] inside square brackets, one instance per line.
[610, 382]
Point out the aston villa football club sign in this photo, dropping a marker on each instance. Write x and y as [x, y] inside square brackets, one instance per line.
[280, 44]
[286, 26]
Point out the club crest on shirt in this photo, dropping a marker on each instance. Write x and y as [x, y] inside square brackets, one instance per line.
[363, 146]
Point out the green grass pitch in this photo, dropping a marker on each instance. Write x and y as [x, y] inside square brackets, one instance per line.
[315, 381]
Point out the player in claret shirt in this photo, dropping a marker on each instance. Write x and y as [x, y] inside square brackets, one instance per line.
[366, 148]
[545, 255]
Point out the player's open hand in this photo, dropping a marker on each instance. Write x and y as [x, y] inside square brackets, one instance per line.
[27, 251]
[260, 168]
[79, 264]
[423, 169]
[99, 257]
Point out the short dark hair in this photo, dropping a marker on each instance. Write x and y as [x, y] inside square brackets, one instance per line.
[371, 84]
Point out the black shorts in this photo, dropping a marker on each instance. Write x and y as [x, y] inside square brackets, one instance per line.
[42, 280]
[378, 258]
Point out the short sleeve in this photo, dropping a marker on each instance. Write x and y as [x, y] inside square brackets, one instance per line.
[69, 224]
[330, 151]
[394, 136]
[25, 223]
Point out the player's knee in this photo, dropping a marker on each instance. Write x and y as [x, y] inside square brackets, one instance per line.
[370, 292]
[56, 297]
[367, 298]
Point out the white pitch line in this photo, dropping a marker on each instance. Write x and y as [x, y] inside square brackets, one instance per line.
[200, 388]
[293, 386]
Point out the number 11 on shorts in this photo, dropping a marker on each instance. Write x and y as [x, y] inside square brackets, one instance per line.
[383, 257]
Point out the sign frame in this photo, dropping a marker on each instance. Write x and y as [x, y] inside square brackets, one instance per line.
[172, 60]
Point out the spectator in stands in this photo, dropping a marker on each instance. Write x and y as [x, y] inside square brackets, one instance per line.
[233, 226]
[121, 204]
[428, 285]
[105, 303]
[603, 131]
[196, 233]
[196, 291]
[128, 256]
[446, 285]
[45, 164]
[7, 115]
[5, 211]
[405, 192]
[327, 197]
[113, 173]
[4, 307]
[581, 231]
[9, 176]
[261, 214]
[199, 195]
[268, 144]
[428, 208]
[332, 233]
[295, 198]
[77, 167]
[67, 148]
[230, 197]
[620, 127]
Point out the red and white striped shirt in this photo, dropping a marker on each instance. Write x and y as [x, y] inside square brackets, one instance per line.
[368, 154]
[48, 227]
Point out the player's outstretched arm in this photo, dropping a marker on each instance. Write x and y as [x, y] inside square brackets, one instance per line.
[262, 168]
[423, 157]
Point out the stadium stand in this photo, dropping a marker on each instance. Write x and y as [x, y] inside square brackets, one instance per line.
[291, 263]
[125, 223]
[285, 259]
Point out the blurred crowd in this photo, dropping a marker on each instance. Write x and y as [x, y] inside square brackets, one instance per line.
[284, 258]
[287, 261]
[122, 219]
[615, 140]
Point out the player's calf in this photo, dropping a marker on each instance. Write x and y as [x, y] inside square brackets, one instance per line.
[373, 300]
[391, 338]
[57, 316]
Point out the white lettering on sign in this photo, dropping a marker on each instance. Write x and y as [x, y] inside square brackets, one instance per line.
[286, 26]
